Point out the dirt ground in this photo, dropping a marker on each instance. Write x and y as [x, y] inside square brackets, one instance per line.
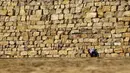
[65, 65]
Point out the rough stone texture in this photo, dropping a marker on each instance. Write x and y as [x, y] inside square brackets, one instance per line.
[64, 28]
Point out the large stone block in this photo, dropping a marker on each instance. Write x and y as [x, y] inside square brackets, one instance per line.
[120, 30]
[35, 17]
[115, 55]
[32, 53]
[54, 17]
[49, 41]
[53, 52]
[23, 53]
[63, 52]
[124, 19]
[68, 16]
[36, 33]
[91, 14]
[39, 12]
[106, 8]
[127, 34]
[22, 10]
[3, 12]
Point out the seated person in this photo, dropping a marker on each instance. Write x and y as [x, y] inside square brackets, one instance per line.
[93, 52]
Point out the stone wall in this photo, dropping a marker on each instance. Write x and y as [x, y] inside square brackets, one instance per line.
[64, 28]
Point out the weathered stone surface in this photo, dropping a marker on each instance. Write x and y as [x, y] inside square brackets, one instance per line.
[115, 55]
[65, 28]
[91, 15]
[24, 53]
[35, 17]
[32, 53]
[124, 19]
[121, 30]
[54, 17]
[35, 33]
[3, 12]
[63, 52]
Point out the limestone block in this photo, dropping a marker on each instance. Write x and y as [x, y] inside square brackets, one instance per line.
[61, 25]
[36, 34]
[120, 30]
[98, 4]
[23, 53]
[126, 13]
[108, 50]
[115, 55]
[3, 42]
[70, 25]
[97, 24]
[7, 52]
[10, 12]
[101, 51]
[100, 14]
[96, 20]
[66, 11]
[13, 18]
[113, 8]
[68, 16]
[121, 8]
[38, 12]
[57, 37]
[113, 19]
[106, 8]
[56, 56]
[23, 18]
[78, 9]
[60, 16]
[108, 14]
[32, 53]
[127, 54]
[127, 39]
[45, 52]
[49, 56]
[53, 52]
[118, 50]
[45, 11]
[6, 34]
[1, 52]
[54, 17]
[74, 31]
[36, 27]
[83, 35]
[107, 24]
[63, 52]
[3, 12]
[117, 35]
[73, 52]
[22, 10]
[91, 15]
[93, 9]
[65, 2]
[35, 17]
[90, 40]
[83, 55]
[126, 34]
[49, 41]
[58, 11]
[117, 43]
[124, 19]
[25, 36]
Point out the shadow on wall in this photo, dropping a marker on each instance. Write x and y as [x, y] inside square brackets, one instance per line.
[93, 52]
